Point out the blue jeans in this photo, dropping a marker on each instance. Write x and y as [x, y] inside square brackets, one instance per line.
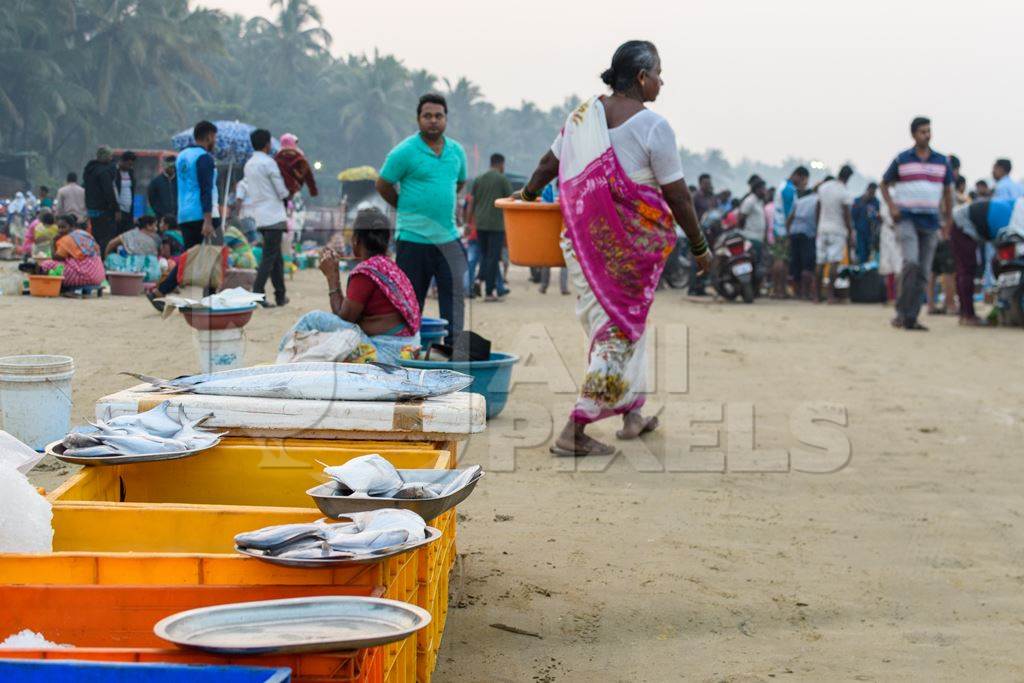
[473, 258]
[863, 245]
[472, 263]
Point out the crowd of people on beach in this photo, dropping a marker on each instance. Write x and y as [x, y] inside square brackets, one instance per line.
[616, 169]
[102, 215]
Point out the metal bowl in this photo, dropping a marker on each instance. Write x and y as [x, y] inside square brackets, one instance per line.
[56, 449]
[217, 319]
[353, 559]
[334, 505]
[295, 625]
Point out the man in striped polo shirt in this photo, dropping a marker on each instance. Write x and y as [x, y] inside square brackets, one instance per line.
[918, 189]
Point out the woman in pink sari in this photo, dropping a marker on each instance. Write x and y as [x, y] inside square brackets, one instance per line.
[622, 192]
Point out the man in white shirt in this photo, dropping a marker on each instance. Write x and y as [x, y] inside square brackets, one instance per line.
[246, 223]
[835, 226]
[753, 223]
[1006, 188]
[265, 193]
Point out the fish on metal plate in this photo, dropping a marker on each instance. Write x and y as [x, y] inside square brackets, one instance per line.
[146, 433]
[320, 381]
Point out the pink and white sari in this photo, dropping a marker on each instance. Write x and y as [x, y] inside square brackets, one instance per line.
[618, 235]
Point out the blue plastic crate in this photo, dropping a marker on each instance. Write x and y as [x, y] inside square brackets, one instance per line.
[43, 671]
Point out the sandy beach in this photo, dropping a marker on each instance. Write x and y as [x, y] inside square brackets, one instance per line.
[893, 553]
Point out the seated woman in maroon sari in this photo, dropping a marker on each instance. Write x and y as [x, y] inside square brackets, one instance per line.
[377, 319]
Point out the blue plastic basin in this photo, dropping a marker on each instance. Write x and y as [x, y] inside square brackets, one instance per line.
[46, 671]
[491, 378]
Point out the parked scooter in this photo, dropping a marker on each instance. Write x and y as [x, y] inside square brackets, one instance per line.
[678, 267]
[1008, 267]
[733, 270]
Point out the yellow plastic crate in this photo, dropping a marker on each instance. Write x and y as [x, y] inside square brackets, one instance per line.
[183, 515]
[239, 471]
[435, 573]
[140, 545]
[400, 658]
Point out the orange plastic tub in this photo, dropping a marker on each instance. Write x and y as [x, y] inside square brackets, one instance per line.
[105, 623]
[44, 285]
[533, 231]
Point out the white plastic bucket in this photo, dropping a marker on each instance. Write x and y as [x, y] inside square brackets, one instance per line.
[35, 397]
[220, 349]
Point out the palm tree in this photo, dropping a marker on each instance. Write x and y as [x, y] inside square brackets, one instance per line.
[296, 34]
[374, 113]
[30, 77]
[421, 82]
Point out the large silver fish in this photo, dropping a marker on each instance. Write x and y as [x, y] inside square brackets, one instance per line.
[320, 381]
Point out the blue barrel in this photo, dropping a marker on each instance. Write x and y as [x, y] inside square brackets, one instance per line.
[432, 331]
[54, 671]
[491, 378]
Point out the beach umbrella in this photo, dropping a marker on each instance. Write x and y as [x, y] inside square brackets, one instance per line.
[233, 144]
[233, 147]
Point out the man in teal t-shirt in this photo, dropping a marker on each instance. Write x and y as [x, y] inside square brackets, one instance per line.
[429, 170]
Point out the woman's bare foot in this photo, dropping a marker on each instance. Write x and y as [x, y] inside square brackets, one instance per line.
[573, 443]
[635, 425]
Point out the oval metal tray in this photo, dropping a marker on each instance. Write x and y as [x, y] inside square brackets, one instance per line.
[56, 449]
[333, 505]
[354, 559]
[316, 624]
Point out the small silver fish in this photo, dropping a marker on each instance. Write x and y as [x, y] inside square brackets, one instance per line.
[139, 444]
[416, 491]
[369, 540]
[461, 480]
[155, 421]
[90, 452]
[279, 536]
[78, 440]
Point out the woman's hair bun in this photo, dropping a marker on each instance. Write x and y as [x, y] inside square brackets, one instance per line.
[608, 77]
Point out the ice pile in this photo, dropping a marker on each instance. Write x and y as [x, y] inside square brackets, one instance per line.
[366, 533]
[371, 476]
[25, 516]
[28, 639]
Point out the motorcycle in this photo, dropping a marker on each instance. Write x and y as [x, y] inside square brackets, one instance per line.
[1008, 267]
[678, 267]
[733, 270]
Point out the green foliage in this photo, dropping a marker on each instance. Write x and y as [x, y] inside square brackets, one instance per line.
[131, 73]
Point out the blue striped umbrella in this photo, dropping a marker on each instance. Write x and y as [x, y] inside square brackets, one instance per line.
[233, 144]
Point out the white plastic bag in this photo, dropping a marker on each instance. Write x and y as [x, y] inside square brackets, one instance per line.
[17, 454]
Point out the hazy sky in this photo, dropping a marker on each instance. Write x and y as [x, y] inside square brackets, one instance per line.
[765, 80]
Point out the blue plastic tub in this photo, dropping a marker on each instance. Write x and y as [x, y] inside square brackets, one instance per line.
[432, 331]
[53, 671]
[492, 378]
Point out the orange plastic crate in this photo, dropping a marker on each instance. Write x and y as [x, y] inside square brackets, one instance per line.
[115, 623]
